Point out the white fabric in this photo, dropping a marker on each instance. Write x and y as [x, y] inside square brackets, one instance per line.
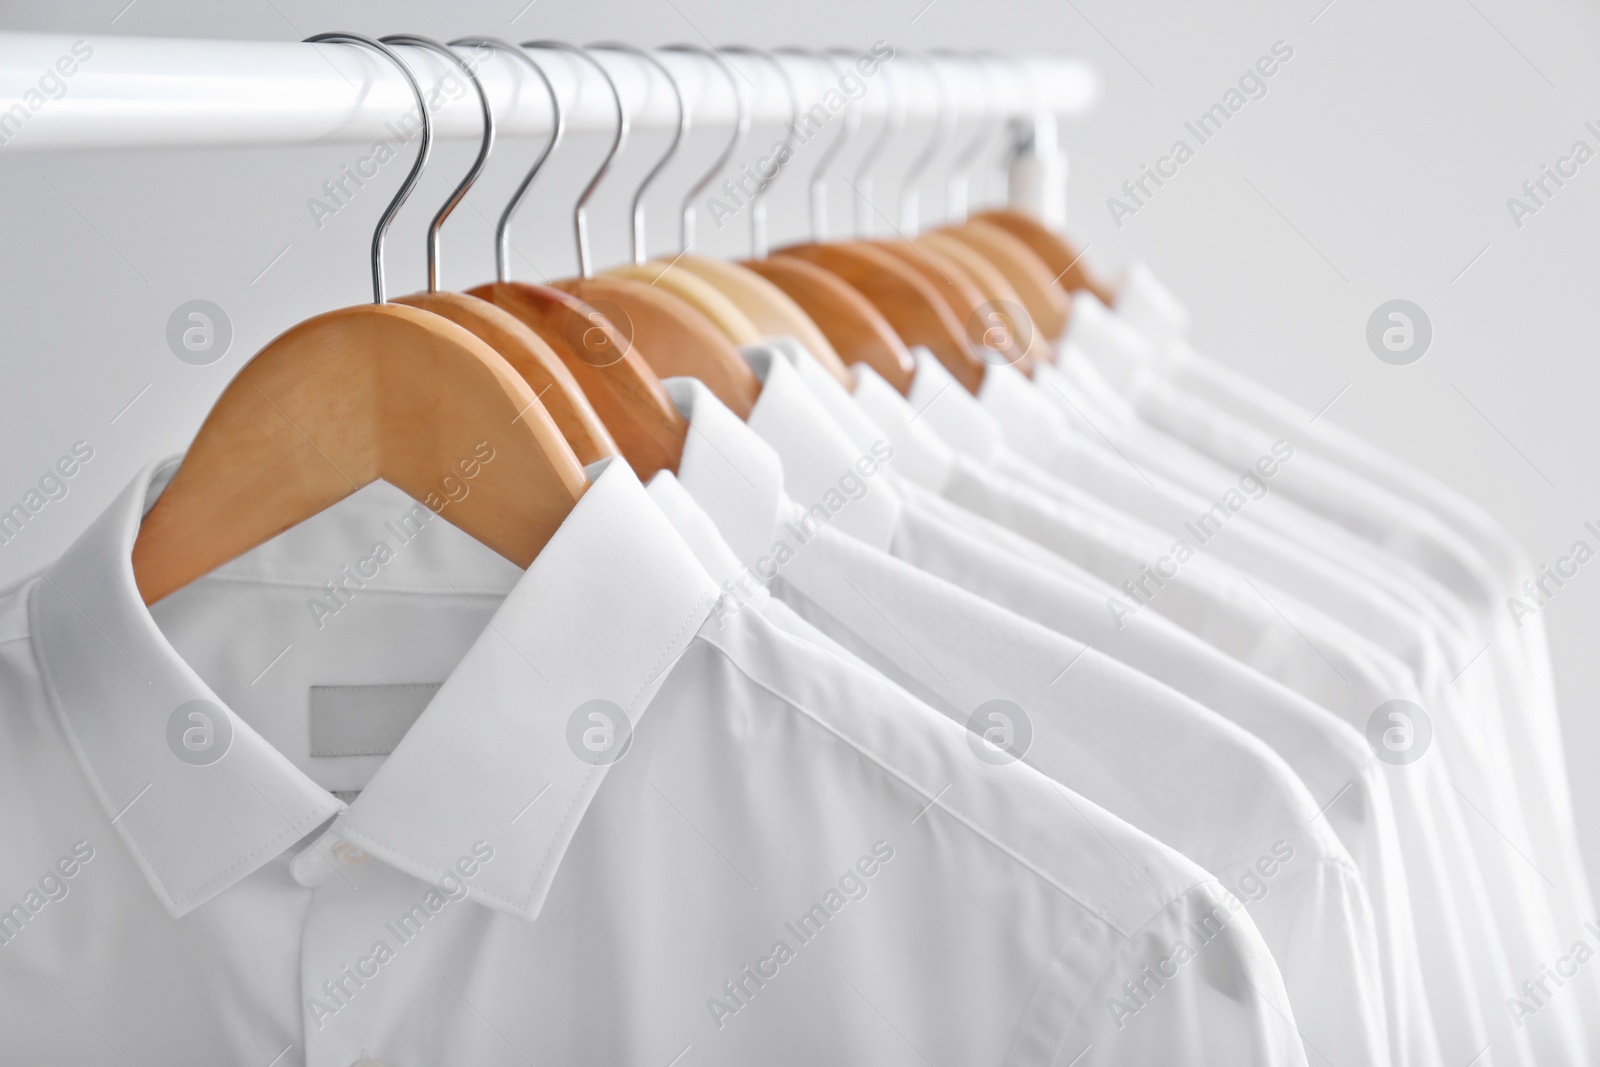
[1520, 648]
[1226, 405]
[1171, 767]
[1461, 949]
[1506, 743]
[1467, 715]
[555, 910]
[1301, 646]
[1329, 756]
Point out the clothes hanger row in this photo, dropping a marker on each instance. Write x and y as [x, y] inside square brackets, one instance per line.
[547, 379]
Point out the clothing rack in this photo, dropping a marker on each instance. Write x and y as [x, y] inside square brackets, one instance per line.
[134, 92]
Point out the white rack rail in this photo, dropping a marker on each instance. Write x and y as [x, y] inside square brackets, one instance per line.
[61, 93]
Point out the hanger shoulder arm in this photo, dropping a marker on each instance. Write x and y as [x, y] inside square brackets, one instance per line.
[1046, 302]
[674, 337]
[1059, 255]
[912, 306]
[857, 329]
[534, 360]
[608, 367]
[346, 398]
[771, 309]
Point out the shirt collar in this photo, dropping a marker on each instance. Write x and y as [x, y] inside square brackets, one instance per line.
[732, 473]
[1076, 382]
[1116, 349]
[919, 455]
[1030, 422]
[1150, 308]
[143, 724]
[597, 622]
[601, 615]
[821, 465]
[699, 531]
[834, 398]
[955, 414]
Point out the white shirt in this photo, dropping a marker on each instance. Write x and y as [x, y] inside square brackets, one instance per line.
[1086, 470]
[1329, 756]
[1142, 751]
[1462, 954]
[1476, 808]
[1513, 779]
[1469, 717]
[1520, 651]
[791, 861]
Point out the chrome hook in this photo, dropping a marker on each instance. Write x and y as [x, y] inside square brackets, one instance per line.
[502, 229]
[410, 182]
[580, 217]
[741, 127]
[758, 202]
[414, 41]
[638, 227]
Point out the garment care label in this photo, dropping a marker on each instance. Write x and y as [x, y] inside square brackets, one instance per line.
[365, 720]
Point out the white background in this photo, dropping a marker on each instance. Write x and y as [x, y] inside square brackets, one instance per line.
[1377, 166]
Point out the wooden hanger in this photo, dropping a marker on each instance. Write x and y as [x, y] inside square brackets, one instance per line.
[1060, 257]
[707, 299]
[945, 272]
[352, 396]
[1001, 303]
[619, 383]
[609, 368]
[768, 307]
[910, 303]
[774, 312]
[856, 329]
[1047, 304]
[673, 336]
[1048, 312]
[527, 353]
[676, 339]
[948, 278]
[698, 293]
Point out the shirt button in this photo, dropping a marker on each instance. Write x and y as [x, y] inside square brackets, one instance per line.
[314, 864]
[351, 856]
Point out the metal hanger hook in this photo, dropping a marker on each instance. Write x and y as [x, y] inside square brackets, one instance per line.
[758, 200]
[910, 197]
[958, 200]
[741, 127]
[413, 41]
[818, 186]
[638, 228]
[410, 183]
[502, 229]
[894, 122]
[580, 215]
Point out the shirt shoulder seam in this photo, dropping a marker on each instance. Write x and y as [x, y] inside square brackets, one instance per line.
[904, 779]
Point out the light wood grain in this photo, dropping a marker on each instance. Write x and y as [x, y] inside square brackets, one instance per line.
[772, 310]
[1046, 302]
[1003, 324]
[607, 366]
[674, 338]
[856, 329]
[911, 304]
[532, 358]
[699, 294]
[340, 401]
[1066, 262]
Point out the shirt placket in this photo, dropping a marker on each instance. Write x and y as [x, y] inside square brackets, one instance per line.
[352, 952]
